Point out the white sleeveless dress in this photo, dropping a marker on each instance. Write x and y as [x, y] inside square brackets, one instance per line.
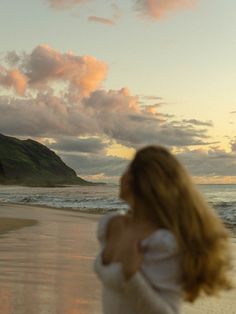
[155, 289]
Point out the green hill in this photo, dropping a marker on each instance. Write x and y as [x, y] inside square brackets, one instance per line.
[28, 162]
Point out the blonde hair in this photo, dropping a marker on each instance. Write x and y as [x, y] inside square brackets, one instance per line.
[164, 187]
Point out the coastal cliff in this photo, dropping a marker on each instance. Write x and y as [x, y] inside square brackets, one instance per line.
[28, 162]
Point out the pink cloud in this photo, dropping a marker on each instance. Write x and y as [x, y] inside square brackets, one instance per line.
[158, 9]
[101, 20]
[116, 15]
[64, 4]
[82, 74]
[154, 9]
[13, 79]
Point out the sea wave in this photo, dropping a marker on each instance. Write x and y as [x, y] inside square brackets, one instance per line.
[101, 199]
[226, 210]
[88, 204]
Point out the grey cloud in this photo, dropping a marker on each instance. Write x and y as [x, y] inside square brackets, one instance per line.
[151, 131]
[143, 118]
[198, 122]
[45, 115]
[233, 145]
[12, 58]
[150, 97]
[215, 162]
[85, 145]
[113, 114]
[85, 164]
[207, 164]
[120, 118]
[138, 133]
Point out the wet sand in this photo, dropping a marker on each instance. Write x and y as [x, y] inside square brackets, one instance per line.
[46, 258]
[9, 224]
[46, 268]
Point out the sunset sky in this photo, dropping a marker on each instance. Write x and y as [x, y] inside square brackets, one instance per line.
[95, 80]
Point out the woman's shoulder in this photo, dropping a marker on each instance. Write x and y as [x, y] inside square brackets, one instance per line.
[161, 241]
[104, 221]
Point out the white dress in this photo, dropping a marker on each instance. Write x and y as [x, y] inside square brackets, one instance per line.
[155, 289]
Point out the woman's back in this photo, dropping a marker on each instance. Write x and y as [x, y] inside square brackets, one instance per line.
[186, 257]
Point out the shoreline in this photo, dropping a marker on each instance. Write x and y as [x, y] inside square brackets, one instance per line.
[66, 209]
[94, 212]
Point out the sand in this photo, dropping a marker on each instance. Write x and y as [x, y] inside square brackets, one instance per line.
[8, 224]
[46, 259]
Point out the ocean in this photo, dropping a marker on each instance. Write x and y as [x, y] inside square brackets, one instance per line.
[103, 198]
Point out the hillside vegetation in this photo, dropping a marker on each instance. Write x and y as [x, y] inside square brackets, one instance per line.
[28, 162]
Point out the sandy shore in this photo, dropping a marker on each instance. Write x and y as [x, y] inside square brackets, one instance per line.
[46, 258]
[9, 224]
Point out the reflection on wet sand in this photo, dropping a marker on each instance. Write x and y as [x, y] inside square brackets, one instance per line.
[9, 224]
[47, 267]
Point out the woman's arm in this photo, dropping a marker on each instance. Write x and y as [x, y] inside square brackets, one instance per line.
[138, 291]
[118, 267]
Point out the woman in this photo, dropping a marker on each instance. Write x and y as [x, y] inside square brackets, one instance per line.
[169, 247]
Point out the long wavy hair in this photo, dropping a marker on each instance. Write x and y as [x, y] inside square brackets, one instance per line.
[165, 189]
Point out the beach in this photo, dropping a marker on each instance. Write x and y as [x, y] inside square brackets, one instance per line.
[46, 264]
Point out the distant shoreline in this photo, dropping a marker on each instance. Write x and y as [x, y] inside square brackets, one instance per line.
[50, 184]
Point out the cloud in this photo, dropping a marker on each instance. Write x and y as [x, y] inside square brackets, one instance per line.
[44, 116]
[81, 145]
[158, 9]
[151, 97]
[45, 66]
[83, 119]
[101, 20]
[152, 9]
[116, 15]
[65, 4]
[84, 127]
[198, 122]
[85, 164]
[233, 145]
[13, 79]
[214, 162]
[120, 117]
[115, 115]
[12, 58]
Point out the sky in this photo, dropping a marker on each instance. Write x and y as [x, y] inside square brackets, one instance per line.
[96, 80]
